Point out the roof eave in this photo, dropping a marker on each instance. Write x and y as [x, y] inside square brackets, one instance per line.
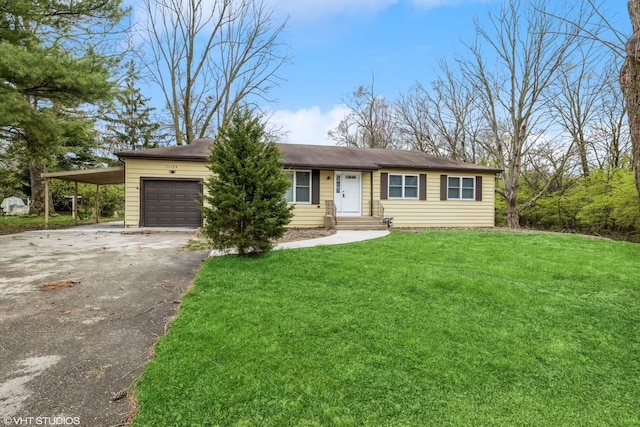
[440, 168]
[293, 165]
[161, 157]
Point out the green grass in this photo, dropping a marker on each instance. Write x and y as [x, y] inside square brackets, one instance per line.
[455, 328]
[17, 224]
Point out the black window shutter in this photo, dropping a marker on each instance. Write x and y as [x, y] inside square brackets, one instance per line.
[478, 188]
[315, 186]
[443, 187]
[384, 186]
[423, 186]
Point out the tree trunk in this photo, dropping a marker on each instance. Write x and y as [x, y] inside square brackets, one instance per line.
[513, 214]
[512, 185]
[630, 82]
[37, 189]
[584, 159]
[511, 188]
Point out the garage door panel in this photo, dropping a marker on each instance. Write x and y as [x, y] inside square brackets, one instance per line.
[171, 203]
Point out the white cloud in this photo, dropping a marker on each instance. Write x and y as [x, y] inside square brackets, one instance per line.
[308, 125]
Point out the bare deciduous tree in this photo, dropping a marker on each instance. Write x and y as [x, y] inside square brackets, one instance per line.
[369, 122]
[442, 121]
[455, 115]
[601, 29]
[413, 115]
[609, 135]
[575, 97]
[210, 57]
[528, 49]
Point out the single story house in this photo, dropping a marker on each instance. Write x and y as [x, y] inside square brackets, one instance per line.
[330, 186]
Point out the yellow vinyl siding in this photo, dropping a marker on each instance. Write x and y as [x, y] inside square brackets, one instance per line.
[366, 193]
[434, 212]
[312, 216]
[406, 213]
[144, 168]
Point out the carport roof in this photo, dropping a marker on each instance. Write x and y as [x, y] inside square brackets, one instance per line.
[100, 176]
[322, 157]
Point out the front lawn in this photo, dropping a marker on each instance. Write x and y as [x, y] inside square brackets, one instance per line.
[441, 328]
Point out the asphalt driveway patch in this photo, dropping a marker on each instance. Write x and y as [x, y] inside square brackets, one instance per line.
[79, 314]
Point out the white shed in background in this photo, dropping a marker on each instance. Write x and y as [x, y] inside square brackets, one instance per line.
[15, 206]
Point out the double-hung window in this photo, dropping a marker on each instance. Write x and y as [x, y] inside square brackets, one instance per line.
[300, 189]
[403, 186]
[461, 188]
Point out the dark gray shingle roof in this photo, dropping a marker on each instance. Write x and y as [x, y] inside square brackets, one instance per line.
[323, 157]
[198, 150]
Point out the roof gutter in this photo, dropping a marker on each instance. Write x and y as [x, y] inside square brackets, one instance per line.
[328, 167]
[168, 158]
[441, 168]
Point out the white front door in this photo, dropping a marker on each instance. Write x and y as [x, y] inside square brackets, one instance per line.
[348, 188]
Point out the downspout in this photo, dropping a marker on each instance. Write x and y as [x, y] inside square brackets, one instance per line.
[124, 214]
[371, 195]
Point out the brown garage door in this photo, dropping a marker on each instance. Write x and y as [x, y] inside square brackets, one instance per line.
[171, 203]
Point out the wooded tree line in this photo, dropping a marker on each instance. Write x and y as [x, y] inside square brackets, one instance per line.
[539, 93]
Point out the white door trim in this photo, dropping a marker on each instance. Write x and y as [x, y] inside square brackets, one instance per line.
[349, 208]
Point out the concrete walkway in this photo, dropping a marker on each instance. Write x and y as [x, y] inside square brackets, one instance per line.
[340, 238]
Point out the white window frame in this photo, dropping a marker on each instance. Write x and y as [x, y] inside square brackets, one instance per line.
[294, 186]
[404, 186]
[460, 188]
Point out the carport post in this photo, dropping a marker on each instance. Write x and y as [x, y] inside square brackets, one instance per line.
[75, 202]
[46, 203]
[97, 203]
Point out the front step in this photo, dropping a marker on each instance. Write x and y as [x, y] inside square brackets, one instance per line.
[360, 223]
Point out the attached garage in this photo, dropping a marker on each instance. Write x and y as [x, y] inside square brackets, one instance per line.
[170, 203]
[163, 186]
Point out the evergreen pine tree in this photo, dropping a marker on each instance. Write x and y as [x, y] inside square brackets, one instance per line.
[129, 124]
[53, 66]
[245, 207]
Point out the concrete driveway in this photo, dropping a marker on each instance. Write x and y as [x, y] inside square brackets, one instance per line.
[79, 313]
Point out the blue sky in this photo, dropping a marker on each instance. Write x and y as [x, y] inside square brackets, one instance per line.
[397, 43]
[338, 45]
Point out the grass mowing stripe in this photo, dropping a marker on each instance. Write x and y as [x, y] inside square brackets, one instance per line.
[437, 328]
